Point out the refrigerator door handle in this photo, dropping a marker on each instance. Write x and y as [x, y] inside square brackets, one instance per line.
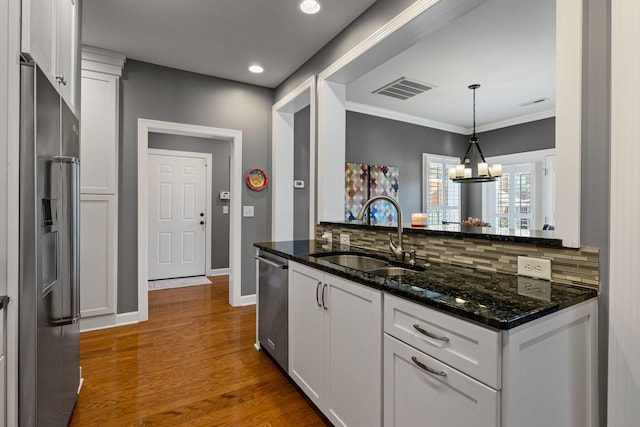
[70, 184]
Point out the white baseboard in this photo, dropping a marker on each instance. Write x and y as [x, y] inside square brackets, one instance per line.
[108, 321]
[127, 318]
[247, 300]
[219, 271]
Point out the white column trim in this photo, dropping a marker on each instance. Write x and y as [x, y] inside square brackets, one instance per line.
[624, 272]
[568, 120]
[11, 64]
[282, 159]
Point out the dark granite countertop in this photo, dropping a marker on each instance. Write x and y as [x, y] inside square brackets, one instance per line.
[4, 300]
[536, 237]
[497, 300]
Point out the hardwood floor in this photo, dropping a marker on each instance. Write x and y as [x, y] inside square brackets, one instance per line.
[192, 364]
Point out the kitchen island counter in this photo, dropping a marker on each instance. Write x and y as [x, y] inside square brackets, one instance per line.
[496, 300]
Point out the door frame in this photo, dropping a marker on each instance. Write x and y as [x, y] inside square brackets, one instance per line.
[208, 158]
[145, 126]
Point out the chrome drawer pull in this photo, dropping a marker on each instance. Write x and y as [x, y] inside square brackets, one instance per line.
[426, 368]
[430, 334]
[317, 297]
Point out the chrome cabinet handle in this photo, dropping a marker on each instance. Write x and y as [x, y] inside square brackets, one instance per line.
[317, 296]
[324, 305]
[60, 78]
[427, 369]
[430, 334]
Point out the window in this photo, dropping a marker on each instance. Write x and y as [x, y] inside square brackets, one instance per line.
[523, 198]
[440, 196]
[514, 197]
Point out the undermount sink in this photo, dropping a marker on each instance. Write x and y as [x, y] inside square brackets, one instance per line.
[391, 271]
[357, 262]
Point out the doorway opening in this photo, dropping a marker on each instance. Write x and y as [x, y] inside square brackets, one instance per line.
[145, 127]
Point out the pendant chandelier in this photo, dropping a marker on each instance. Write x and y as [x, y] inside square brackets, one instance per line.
[474, 167]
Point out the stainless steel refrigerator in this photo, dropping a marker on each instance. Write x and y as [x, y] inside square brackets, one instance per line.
[49, 347]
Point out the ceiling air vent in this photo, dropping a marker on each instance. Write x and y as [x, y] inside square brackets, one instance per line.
[535, 101]
[403, 88]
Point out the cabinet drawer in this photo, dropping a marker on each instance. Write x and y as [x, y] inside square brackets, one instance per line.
[470, 348]
[445, 398]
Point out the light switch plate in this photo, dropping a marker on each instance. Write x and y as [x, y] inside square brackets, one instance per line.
[225, 210]
[534, 267]
[247, 211]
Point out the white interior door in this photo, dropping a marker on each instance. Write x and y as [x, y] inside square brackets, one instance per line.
[177, 216]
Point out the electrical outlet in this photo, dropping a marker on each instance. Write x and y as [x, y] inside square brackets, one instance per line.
[344, 239]
[534, 267]
[327, 237]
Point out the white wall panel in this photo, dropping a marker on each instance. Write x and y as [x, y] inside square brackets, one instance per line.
[624, 278]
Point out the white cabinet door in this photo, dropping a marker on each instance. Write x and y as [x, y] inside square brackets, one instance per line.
[67, 50]
[39, 34]
[306, 331]
[443, 397]
[99, 137]
[353, 353]
[98, 254]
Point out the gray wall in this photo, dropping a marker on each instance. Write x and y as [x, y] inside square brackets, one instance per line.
[301, 129]
[595, 178]
[220, 151]
[153, 92]
[379, 141]
[532, 136]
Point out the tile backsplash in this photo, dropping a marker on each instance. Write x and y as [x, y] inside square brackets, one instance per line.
[571, 266]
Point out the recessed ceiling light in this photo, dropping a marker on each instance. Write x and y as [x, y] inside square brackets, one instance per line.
[256, 69]
[310, 7]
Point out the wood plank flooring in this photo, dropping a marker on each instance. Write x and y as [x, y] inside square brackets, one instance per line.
[192, 364]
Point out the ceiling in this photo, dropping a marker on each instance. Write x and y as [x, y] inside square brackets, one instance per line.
[507, 46]
[220, 38]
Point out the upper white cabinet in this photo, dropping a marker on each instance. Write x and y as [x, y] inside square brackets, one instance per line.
[335, 345]
[50, 38]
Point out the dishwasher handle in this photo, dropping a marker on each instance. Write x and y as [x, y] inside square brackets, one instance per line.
[271, 263]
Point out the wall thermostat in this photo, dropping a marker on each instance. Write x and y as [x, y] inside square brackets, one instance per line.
[298, 183]
[225, 195]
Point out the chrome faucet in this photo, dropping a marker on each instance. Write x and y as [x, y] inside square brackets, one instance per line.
[396, 249]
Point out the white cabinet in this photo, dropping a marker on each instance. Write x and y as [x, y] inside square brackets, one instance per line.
[455, 373]
[101, 71]
[306, 331]
[335, 345]
[98, 254]
[50, 37]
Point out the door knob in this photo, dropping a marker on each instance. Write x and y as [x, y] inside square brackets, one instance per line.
[201, 222]
[201, 213]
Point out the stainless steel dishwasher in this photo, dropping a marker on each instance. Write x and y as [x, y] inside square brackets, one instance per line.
[273, 313]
